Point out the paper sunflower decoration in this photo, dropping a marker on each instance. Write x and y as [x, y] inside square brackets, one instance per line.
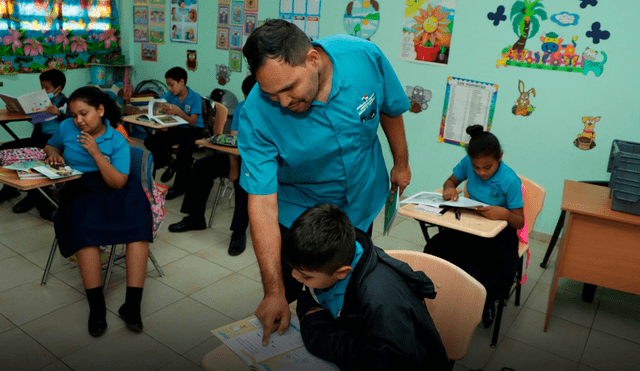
[431, 25]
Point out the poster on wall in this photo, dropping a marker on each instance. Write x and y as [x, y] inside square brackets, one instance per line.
[552, 38]
[149, 52]
[156, 23]
[362, 18]
[466, 102]
[427, 30]
[184, 21]
[303, 13]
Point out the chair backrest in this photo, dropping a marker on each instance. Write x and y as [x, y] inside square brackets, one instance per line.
[457, 309]
[219, 126]
[533, 201]
[136, 167]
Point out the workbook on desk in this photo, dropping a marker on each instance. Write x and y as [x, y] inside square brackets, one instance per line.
[284, 352]
[435, 200]
[33, 104]
[227, 140]
[156, 113]
[50, 171]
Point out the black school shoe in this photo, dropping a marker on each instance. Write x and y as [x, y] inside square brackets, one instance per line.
[188, 224]
[489, 313]
[97, 327]
[174, 193]
[7, 193]
[238, 243]
[133, 321]
[168, 174]
[24, 205]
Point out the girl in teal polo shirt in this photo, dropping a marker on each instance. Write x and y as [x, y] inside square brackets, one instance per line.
[105, 206]
[492, 261]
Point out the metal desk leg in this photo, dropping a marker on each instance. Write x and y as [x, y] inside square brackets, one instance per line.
[554, 239]
[49, 262]
[4, 125]
[588, 292]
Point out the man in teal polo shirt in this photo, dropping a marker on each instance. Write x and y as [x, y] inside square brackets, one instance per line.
[309, 136]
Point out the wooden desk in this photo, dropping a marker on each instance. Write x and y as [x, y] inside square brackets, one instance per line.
[599, 246]
[7, 117]
[470, 221]
[133, 119]
[217, 147]
[10, 177]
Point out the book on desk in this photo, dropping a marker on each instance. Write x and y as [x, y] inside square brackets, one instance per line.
[30, 169]
[33, 104]
[155, 113]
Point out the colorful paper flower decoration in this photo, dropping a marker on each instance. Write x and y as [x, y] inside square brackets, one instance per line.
[431, 25]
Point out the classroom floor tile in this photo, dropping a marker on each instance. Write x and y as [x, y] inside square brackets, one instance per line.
[45, 327]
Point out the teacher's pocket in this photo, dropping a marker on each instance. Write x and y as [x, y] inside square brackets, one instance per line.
[369, 121]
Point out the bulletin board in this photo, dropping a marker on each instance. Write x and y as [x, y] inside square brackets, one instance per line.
[304, 14]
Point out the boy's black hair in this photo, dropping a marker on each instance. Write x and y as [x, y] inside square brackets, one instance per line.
[276, 39]
[322, 239]
[248, 84]
[482, 143]
[177, 73]
[55, 77]
[94, 97]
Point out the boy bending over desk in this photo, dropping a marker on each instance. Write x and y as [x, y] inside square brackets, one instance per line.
[360, 308]
[187, 104]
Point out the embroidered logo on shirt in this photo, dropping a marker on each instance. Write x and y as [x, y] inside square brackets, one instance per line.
[495, 194]
[187, 108]
[367, 101]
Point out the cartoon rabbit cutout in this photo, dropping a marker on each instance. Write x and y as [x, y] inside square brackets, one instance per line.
[523, 106]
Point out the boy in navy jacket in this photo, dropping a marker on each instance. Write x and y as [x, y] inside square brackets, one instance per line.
[363, 310]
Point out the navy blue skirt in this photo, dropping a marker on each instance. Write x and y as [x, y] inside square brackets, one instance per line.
[93, 214]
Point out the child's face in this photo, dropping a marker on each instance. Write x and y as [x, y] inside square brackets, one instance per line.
[87, 118]
[315, 280]
[48, 87]
[486, 166]
[175, 87]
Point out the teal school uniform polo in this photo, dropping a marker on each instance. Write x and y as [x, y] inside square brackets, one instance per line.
[502, 189]
[112, 145]
[236, 117]
[332, 299]
[191, 105]
[331, 152]
[50, 126]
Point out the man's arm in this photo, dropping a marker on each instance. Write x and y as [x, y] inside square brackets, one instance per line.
[394, 130]
[273, 312]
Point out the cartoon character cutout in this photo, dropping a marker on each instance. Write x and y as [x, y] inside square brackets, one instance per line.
[587, 139]
[222, 74]
[419, 97]
[192, 62]
[523, 105]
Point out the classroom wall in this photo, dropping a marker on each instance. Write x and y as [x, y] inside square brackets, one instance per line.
[539, 147]
[20, 84]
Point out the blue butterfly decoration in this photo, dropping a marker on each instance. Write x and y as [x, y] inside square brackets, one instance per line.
[597, 34]
[497, 16]
[585, 3]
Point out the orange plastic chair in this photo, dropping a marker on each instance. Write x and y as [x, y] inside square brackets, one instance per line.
[457, 309]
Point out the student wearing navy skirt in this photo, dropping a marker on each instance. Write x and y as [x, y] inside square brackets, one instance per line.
[105, 206]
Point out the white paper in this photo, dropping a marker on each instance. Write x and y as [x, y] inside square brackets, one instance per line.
[469, 104]
[434, 199]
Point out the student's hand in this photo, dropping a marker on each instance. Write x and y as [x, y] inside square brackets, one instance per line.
[53, 110]
[274, 314]
[493, 212]
[451, 194]
[172, 109]
[54, 159]
[89, 143]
